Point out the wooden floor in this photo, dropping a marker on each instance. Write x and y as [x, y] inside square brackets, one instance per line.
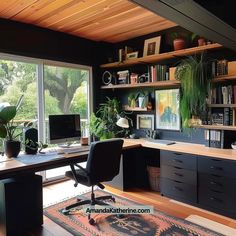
[58, 192]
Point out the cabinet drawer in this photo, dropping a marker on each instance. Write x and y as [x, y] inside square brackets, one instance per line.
[179, 190]
[183, 160]
[218, 167]
[217, 200]
[179, 174]
[217, 183]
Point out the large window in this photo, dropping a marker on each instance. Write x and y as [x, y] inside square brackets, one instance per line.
[49, 88]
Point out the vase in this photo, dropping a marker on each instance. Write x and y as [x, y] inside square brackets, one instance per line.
[141, 102]
[12, 148]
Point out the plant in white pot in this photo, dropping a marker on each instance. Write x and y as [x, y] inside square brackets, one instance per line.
[8, 128]
[142, 99]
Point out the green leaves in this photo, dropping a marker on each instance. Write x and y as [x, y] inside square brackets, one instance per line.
[7, 113]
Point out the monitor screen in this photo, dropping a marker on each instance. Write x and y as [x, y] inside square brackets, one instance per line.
[64, 128]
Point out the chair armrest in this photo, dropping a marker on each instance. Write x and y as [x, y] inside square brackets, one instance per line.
[72, 166]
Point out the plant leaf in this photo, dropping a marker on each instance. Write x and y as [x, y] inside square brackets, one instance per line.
[3, 131]
[7, 113]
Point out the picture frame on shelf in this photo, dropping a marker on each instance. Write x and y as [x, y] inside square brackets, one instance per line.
[152, 46]
[145, 122]
[167, 109]
[132, 55]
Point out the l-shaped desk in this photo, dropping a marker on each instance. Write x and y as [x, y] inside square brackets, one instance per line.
[179, 175]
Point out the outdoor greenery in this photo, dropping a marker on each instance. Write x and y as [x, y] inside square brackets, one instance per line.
[65, 89]
[195, 84]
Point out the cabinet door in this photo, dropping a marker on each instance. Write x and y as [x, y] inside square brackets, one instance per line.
[217, 166]
[177, 159]
[179, 174]
[179, 190]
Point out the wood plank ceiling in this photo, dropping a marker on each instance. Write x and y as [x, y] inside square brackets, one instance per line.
[100, 20]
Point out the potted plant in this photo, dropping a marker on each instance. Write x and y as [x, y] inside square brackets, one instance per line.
[103, 124]
[142, 99]
[8, 128]
[195, 81]
[179, 42]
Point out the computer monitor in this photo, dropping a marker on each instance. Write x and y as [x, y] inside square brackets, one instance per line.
[64, 128]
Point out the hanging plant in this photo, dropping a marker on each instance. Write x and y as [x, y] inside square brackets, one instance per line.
[195, 77]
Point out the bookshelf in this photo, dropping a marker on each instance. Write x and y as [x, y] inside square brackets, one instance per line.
[159, 84]
[163, 56]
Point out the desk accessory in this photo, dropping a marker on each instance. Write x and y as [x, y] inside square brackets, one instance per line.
[31, 140]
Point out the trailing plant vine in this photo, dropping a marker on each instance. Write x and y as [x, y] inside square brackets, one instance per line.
[195, 77]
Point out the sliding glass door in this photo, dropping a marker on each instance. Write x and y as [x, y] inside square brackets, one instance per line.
[49, 88]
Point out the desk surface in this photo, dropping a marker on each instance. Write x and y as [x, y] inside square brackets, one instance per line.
[8, 167]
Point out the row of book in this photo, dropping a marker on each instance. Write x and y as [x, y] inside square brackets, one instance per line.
[221, 116]
[219, 67]
[158, 73]
[223, 95]
[219, 138]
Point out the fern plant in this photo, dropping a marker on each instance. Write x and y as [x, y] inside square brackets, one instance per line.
[195, 78]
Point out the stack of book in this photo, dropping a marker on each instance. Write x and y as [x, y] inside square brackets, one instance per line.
[219, 67]
[223, 95]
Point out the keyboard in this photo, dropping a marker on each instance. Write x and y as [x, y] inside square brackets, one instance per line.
[73, 150]
[161, 141]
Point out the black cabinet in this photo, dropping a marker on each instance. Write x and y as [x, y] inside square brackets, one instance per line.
[216, 185]
[179, 176]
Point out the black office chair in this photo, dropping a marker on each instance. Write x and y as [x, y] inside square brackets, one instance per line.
[103, 164]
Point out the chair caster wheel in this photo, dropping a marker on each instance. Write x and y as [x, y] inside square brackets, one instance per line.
[120, 216]
[91, 221]
[65, 212]
[113, 199]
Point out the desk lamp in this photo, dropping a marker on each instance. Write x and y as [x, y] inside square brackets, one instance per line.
[122, 122]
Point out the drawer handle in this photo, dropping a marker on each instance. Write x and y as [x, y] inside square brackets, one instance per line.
[179, 168]
[215, 191]
[216, 168]
[178, 188]
[218, 176]
[178, 161]
[215, 199]
[215, 183]
[176, 181]
[178, 174]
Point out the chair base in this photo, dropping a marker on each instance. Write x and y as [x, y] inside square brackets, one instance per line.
[92, 202]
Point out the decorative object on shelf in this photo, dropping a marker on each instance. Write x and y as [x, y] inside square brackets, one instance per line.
[107, 78]
[8, 128]
[153, 134]
[132, 55]
[143, 78]
[149, 106]
[172, 73]
[232, 68]
[128, 108]
[145, 122]
[179, 42]
[121, 55]
[132, 98]
[133, 78]
[193, 73]
[123, 77]
[233, 145]
[142, 99]
[152, 46]
[167, 109]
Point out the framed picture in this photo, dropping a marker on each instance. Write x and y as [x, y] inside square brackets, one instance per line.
[145, 122]
[132, 55]
[167, 109]
[152, 46]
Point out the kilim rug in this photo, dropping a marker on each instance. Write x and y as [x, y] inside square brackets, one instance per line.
[157, 224]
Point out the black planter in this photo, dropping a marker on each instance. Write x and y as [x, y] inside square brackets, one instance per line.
[12, 148]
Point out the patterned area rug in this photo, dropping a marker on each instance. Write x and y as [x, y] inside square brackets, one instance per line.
[138, 225]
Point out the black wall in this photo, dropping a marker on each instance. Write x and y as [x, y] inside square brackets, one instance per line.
[32, 41]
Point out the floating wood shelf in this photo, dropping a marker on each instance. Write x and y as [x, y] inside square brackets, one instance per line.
[216, 127]
[162, 56]
[224, 78]
[222, 105]
[158, 84]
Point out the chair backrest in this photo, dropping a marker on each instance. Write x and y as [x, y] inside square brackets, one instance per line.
[103, 162]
